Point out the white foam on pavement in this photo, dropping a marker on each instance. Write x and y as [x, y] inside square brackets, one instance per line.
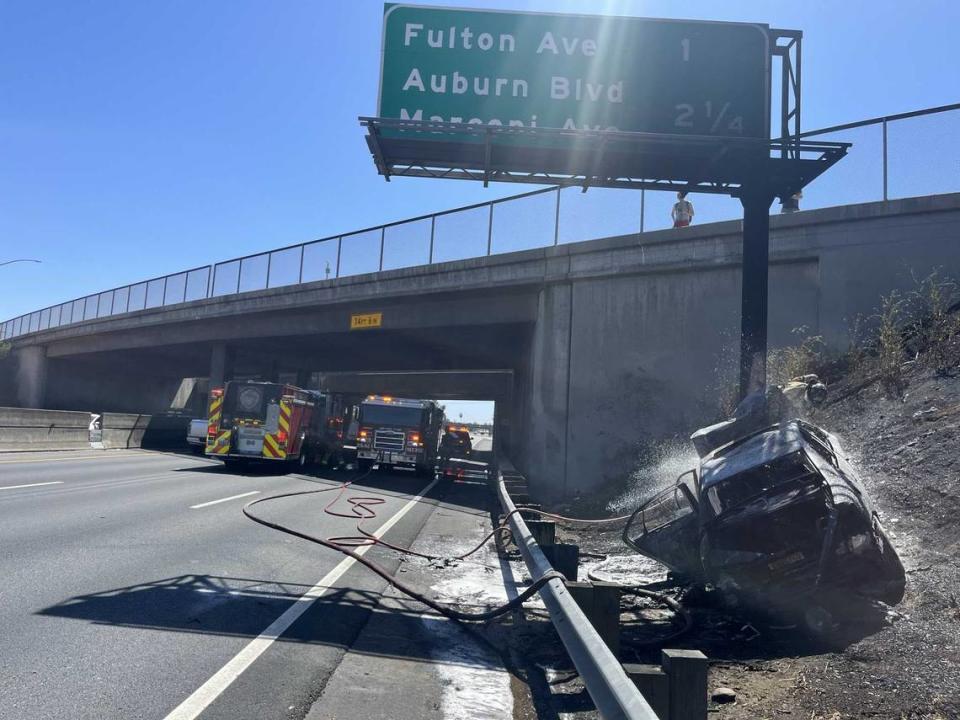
[474, 683]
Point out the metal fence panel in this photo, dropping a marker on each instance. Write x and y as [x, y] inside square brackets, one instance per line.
[121, 296]
[105, 303]
[599, 212]
[253, 272]
[138, 296]
[407, 244]
[360, 253]
[197, 284]
[154, 293]
[462, 234]
[175, 289]
[924, 155]
[226, 278]
[89, 307]
[524, 223]
[320, 260]
[284, 267]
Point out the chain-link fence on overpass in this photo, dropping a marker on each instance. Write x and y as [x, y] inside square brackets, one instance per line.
[904, 155]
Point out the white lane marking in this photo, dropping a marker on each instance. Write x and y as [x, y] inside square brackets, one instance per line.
[224, 677]
[216, 502]
[105, 456]
[14, 487]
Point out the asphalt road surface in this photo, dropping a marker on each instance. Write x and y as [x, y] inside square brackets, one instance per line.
[134, 587]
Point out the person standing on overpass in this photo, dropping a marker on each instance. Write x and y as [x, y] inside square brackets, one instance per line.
[682, 212]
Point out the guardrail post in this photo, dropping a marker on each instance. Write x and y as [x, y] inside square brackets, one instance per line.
[654, 684]
[300, 276]
[339, 246]
[433, 225]
[545, 533]
[269, 264]
[687, 673]
[565, 558]
[239, 273]
[163, 299]
[600, 602]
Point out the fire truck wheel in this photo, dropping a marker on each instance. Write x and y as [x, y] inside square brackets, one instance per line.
[364, 464]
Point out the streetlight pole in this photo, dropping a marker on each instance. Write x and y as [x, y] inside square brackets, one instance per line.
[10, 262]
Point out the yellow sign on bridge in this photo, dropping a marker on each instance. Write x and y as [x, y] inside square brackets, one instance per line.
[367, 320]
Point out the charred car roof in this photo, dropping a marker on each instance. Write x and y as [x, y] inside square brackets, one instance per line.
[750, 452]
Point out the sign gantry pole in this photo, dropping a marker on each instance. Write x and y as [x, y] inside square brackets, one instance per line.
[756, 200]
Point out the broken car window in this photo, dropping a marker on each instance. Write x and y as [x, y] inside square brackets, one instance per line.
[739, 489]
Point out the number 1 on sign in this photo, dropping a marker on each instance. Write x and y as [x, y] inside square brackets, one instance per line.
[685, 45]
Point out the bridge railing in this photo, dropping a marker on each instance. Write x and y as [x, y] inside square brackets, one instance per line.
[914, 153]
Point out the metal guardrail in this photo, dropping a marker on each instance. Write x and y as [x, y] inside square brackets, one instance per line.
[542, 217]
[613, 693]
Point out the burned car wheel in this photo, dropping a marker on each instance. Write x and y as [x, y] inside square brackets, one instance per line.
[818, 621]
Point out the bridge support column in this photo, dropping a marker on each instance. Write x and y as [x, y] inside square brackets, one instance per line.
[221, 365]
[548, 392]
[31, 376]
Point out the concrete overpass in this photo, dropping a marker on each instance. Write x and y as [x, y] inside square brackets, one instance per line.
[591, 349]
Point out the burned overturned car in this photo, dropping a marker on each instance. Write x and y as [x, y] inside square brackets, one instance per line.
[776, 518]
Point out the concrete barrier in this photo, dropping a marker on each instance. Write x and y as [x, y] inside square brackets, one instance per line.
[27, 429]
[124, 430]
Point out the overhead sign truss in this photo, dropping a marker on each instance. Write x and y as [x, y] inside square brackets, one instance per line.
[586, 158]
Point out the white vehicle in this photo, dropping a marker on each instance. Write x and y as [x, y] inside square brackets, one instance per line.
[197, 435]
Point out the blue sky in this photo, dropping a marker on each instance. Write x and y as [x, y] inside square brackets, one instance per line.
[142, 138]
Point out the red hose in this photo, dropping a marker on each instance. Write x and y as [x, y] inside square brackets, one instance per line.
[362, 508]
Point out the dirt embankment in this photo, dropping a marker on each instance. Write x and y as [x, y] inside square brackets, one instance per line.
[908, 452]
[906, 666]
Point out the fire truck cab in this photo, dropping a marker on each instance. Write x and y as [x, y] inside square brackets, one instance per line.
[398, 431]
[271, 422]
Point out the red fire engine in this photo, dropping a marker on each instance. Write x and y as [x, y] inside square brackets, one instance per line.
[270, 422]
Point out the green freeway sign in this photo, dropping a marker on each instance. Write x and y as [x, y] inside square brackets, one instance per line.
[575, 71]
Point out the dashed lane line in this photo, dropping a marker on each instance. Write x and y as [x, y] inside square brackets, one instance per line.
[222, 500]
[15, 487]
[203, 696]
